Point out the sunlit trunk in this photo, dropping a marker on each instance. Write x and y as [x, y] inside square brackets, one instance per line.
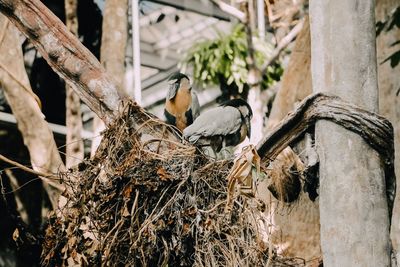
[354, 214]
[73, 118]
[35, 131]
[112, 54]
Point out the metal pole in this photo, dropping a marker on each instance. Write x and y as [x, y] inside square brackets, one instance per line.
[261, 19]
[137, 94]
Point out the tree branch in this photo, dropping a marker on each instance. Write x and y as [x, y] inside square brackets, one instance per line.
[283, 44]
[374, 129]
[44, 176]
[231, 10]
[66, 55]
[35, 131]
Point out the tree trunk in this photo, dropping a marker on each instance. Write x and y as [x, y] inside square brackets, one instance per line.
[114, 38]
[74, 145]
[36, 133]
[258, 106]
[254, 77]
[300, 239]
[73, 62]
[389, 101]
[66, 55]
[112, 54]
[353, 208]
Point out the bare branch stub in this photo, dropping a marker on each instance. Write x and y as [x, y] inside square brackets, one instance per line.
[66, 55]
[374, 129]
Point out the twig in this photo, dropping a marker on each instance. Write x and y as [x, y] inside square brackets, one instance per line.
[24, 168]
[165, 140]
[134, 205]
[150, 220]
[231, 10]
[40, 174]
[107, 252]
[213, 208]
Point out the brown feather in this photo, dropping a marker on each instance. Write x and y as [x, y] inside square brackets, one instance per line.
[179, 105]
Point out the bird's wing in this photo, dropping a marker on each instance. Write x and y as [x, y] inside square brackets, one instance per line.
[195, 106]
[216, 121]
[173, 88]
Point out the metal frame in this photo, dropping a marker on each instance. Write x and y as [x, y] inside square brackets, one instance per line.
[196, 6]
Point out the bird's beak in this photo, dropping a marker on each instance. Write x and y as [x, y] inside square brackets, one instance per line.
[173, 88]
[248, 124]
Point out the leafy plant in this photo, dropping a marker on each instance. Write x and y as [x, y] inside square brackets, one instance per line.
[223, 62]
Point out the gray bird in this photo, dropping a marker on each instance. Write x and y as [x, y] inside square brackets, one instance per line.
[226, 125]
[181, 105]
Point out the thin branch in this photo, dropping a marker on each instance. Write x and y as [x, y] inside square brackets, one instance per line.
[283, 44]
[45, 176]
[231, 10]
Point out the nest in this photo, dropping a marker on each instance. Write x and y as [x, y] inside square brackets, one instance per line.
[143, 200]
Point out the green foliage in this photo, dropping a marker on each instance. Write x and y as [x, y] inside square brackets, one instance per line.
[224, 60]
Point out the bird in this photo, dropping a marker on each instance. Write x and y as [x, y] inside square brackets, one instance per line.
[181, 105]
[222, 126]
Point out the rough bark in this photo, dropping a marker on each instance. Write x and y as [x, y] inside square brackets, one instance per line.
[74, 145]
[112, 54]
[389, 102]
[114, 38]
[36, 134]
[66, 55]
[300, 239]
[354, 213]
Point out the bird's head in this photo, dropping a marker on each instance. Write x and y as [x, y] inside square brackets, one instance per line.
[244, 109]
[177, 81]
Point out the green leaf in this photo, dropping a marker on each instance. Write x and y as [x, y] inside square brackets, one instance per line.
[225, 57]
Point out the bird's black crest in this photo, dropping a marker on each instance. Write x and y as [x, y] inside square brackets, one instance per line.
[238, 102]
[177, 76]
